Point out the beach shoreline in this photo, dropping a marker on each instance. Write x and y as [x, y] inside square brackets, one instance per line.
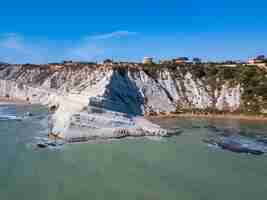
[211, 116]
[12, 101]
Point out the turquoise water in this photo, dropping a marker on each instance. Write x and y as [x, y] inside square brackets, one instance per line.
[180, 167]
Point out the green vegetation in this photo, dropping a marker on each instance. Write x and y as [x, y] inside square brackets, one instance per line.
[205, 111]
[152, 69]
[252, 80]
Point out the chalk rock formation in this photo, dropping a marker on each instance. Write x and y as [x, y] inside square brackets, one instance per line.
[123, 95]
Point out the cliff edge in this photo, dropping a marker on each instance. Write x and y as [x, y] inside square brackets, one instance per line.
[86, 94]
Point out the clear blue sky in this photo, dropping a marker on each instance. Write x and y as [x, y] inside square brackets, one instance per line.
[48, 31]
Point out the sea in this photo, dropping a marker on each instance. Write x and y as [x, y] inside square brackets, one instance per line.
[179, 167]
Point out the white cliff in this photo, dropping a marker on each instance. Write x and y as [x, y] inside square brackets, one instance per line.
[229, 98]
[122, 95]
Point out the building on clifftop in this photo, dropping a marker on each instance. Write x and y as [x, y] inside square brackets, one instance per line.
[181, 60]
[108, 62]
[148, 60]
[259, 61]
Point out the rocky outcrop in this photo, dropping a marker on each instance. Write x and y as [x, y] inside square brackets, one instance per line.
[134, 92]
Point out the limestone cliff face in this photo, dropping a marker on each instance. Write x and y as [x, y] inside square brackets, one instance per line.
[131, 91]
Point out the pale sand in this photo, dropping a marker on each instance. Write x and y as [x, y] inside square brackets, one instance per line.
[216, 116]
[9, 101]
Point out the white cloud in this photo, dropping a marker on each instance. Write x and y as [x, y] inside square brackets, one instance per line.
[94, 48]
[115, 34]
[15, 48]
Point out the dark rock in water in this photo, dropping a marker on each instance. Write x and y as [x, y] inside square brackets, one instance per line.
[263, 140]
[213, 128]
[49, 143]
[78, 139]
[239, 141]
[52, 144]
[173, 132]
[210, 141]
[41, 145]
[210, 126]
[29, 114]
[239, 148]
[228, 132]
[233, 145]
[195, 126]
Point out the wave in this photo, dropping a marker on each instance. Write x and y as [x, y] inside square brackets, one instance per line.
[8, 113]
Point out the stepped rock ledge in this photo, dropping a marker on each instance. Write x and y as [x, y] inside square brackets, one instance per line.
[98, 101]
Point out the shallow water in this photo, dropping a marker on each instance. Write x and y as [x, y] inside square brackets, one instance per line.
[181, 167]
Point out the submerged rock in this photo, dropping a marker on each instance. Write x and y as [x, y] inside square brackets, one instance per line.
[41, 145]
[43, 142]
[263, 140]
[173, 132]
[236, 141]
[234, 146]
[28, 114]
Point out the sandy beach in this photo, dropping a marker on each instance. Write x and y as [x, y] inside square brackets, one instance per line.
[217, 116]
[9, 101]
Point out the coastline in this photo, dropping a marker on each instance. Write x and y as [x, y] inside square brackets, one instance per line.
[17, 101]
[210, 116]
[12, 101]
